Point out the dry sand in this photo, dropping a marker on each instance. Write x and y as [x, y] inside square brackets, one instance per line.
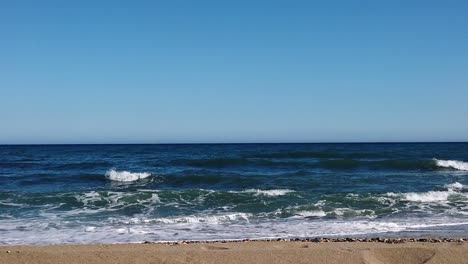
[245, 252]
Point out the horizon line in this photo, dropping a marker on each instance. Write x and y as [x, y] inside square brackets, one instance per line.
[236, 143]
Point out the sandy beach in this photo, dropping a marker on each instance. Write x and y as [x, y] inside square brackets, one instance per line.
[244, 252]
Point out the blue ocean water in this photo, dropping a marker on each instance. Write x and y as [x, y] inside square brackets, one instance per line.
[53, 194]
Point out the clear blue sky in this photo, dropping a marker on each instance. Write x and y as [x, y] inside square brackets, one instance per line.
[233, 71]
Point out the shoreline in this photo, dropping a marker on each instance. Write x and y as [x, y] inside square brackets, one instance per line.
[380, 239]
[346, 250]
[388, 240]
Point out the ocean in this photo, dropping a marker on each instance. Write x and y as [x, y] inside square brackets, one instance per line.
[73, 194]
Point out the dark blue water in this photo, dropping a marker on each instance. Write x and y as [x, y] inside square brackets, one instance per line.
[130, 193]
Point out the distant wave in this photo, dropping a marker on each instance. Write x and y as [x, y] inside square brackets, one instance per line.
[18, 164]
[275, 192]
[126, 176]
[82, 165]
[215, 163]
[454, 164]
[208, 179]
[388, 164]
[330, 164]
[318, 154]
[61, 166]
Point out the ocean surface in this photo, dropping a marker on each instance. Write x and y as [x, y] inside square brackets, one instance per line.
[51, 194]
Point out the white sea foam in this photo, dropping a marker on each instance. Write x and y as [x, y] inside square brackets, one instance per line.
[432, 196]
[35, 232]
[352, 212]
[424, 197]
[126, 176]
[455, 186]
[454, 164]
[199, 219]
[11, 204]
[317, 213]
[155, 198]
[90, 229]
[275, 192]
[454, 190]
[122, 230]
[88, 198]
[97, 202]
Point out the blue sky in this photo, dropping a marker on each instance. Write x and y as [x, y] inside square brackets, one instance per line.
[233, 71]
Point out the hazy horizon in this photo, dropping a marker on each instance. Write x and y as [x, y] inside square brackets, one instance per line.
[240, 143]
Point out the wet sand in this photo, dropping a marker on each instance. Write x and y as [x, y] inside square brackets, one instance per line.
[242, 252]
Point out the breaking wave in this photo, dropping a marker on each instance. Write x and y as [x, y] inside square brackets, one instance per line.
[454, 164]
[309, 214]
[455, 186]
[197, 219]
[126, 176]
[276, 192]
[432, 196]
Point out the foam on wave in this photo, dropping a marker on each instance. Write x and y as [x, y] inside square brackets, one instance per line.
[126, 176]
[432, 196]
[214, 219]
[454, 164]
[108, 232]
[274, 192]
[455, 186]
[307, 214]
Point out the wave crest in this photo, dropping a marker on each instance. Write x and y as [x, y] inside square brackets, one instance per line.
[126, 176]
[455, 186]
[454, 164]
[215, 219]
[310, 214]
[277, 192]
[274, 192]
[432, 196]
